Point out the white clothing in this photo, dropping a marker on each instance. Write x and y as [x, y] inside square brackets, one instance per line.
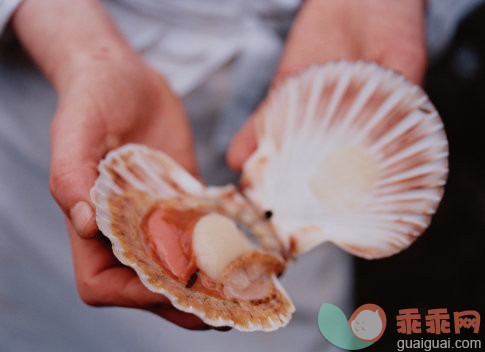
[220, 57]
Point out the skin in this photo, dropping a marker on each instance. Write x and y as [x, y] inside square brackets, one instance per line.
[108, 96]
[391, 33]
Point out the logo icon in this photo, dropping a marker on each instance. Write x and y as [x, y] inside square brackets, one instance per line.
[365, 326]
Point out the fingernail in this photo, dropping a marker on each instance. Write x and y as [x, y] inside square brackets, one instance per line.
[81, 214]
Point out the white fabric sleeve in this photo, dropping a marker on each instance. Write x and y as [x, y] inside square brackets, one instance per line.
[7, 7]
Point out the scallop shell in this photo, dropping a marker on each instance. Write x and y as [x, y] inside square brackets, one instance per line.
[350, 153]
[132, 180]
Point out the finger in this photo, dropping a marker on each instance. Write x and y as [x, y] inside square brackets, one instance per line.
[102, 280]
[222, 328]
[76, 147]
[245, 141]
[242, 145]
[182, 319]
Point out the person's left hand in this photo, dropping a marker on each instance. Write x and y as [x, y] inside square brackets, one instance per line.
[390, 33]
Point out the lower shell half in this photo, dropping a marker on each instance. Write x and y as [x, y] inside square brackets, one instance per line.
[225, 278]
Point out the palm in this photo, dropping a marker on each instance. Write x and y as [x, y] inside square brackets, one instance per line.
[99, 111]
[111, 108]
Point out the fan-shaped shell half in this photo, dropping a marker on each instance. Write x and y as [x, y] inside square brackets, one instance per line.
[351, 153]
[135, 182]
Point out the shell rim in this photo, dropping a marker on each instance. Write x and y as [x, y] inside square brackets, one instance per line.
[104, 227]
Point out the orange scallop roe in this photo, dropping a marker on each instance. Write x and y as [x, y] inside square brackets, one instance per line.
[169, 235]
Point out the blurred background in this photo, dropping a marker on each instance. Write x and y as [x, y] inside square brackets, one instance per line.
[445, 268]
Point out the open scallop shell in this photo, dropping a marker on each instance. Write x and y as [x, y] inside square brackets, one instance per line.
[132, 180]
[350, 153]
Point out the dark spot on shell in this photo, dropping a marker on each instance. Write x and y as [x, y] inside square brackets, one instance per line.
[268, 214]
[293, 248]
[425, 110]
[192, 279]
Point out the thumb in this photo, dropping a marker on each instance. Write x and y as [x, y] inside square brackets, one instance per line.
[242, 145]
[245, 141]
[75, 153]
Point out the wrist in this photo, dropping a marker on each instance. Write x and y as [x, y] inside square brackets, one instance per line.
[85, 60]
[387, 32]
[64, 36]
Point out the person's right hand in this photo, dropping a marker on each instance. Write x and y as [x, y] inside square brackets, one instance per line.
[107, 96]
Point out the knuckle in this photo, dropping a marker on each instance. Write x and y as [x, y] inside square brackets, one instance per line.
[55, 183]
[87, 293]
[60, 182]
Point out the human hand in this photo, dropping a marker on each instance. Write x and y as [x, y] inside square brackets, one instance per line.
[107, 96]
[390, 33]
[108, 104]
